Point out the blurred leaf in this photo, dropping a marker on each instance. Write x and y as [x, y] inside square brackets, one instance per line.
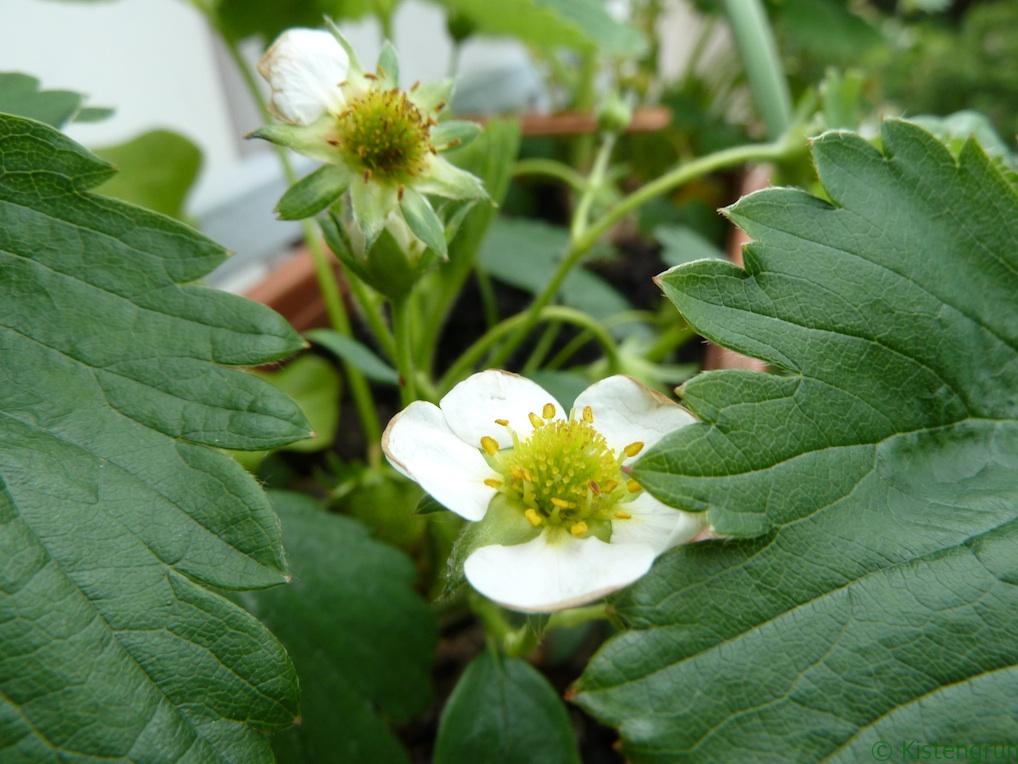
[388, 505]
[829, 30]
[356, 354]
[552, 24]
[525, 253]
[681, 244]
[564, 386]
[504, 712]
[490, 157]
[94, 114]
[118, 523]
[955, 129]
[155, 170]
[20, 95]
[360, 637]
[428, 506]
[841, 98]
[266, 19]
[881, 468]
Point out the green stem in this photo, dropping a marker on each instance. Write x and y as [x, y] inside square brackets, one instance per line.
[568, 351]
[752, 33]
[594, 184]
[586, 93]
[488, 298]
[552, 169]
[757, 152]
[541, 349]
[372, 312]
[475, 352]
[402, 326]
[336, 311]
[676, 335]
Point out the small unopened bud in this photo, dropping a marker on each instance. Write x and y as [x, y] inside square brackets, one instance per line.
[614, 114]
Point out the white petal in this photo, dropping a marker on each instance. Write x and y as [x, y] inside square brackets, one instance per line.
[472, 407]
[656, 525]
[304, 68]
[420, 445]
[626, 411]
[541, 577]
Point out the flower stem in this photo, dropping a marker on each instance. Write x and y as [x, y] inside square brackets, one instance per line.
[753, 38]
[684, 173]
[552, 169]
[594, 184]
[402, 326]
[475, 352]
[336, 311]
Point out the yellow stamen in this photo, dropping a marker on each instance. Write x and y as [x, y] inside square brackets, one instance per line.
[633, 486]
[562, 503]
[502, 422]
[492, 483]
[578, 529]
[588, 414]
[490, 445]
[623, 516]
[610, 486]
[633, 448]
[535, 420]
[549, 411]
[534, 518]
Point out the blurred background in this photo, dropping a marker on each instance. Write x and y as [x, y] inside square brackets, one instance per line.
[159, 66]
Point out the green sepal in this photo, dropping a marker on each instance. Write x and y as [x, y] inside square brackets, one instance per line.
[503, 523]
[355, 63]
[428, 505]
[432, 96]
[371, 203]
[316, 140]
[424, 222]
[454, 133]
[386, 267]
[388, 65]
[313, 193]
[445, 179]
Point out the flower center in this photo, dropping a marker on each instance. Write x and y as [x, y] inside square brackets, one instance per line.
[564, 475]
[384, 134]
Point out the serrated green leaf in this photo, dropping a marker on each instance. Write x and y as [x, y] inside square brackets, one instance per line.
[156, 170]
[314, 385]
[21, 95]
[504, 712]
[552, 24]
[361, 638]
[356, 354]
[882, 466]
[114, 521]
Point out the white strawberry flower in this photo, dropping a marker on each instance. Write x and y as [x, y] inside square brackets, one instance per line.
[565, 523]
[380, 143]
